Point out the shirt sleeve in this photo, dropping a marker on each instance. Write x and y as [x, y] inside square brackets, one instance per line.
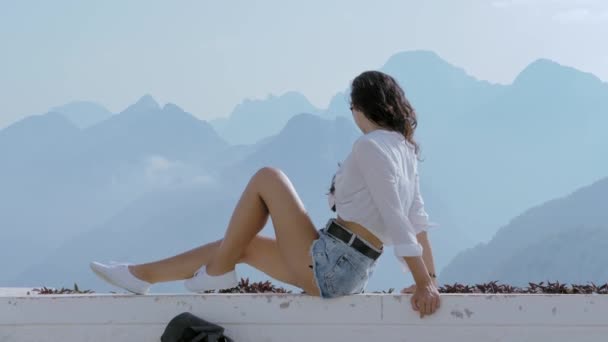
[380, 175]
[417, 214]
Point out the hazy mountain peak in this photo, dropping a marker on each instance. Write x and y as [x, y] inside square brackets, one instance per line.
[83, 113]
[293, 95]
[77, 105]
[33, 125]
[302, 122]
[147, 102]
[171, 108]
[254, 119]
[418, 60]
[541, 67]
[426, 67]
[545, 61]
[547, 71]
[415, 55]
[290, 98]
[23, 139]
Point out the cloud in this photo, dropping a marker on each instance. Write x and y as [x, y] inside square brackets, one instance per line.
[501, 4]
[508, 3]
[559, 4]
[572, 16]
[562, 11]
[162, 172]
[158, 164]
[581, 15]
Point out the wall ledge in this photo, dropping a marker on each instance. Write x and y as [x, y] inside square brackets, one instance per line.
[298, 317]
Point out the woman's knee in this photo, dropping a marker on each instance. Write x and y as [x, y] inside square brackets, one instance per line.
[269, 173]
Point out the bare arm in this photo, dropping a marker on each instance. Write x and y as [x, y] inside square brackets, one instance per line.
[419, 270]
[420, 219]
[422, 266]
[427, 252]
[425, 298]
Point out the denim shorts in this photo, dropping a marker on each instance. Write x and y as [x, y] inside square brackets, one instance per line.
[339, 269]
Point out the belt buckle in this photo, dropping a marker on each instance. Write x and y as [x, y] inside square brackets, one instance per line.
[353, 236]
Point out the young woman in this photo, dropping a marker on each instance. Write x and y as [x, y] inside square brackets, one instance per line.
[375, 194]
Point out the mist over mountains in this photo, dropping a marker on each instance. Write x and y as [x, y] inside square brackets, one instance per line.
[80, 183]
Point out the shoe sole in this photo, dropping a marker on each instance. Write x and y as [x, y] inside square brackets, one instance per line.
[109, 280]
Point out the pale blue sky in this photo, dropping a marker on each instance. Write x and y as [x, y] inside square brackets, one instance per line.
[207, 56]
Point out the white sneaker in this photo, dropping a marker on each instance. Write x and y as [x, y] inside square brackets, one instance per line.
[118, 274]
[201, 281]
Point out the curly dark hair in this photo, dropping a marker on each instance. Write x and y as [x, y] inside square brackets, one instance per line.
[380, 98]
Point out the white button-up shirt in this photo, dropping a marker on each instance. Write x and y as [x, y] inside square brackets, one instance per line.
[377, 187]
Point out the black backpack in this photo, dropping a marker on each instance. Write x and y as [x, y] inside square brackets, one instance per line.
[186, 327]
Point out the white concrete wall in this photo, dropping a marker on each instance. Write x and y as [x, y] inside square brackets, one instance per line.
[285, 317]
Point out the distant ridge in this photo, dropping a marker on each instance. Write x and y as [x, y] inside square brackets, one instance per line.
[83, 113]
[252, 120]
[558, 240]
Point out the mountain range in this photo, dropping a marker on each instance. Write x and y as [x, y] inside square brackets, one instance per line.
[152, 180]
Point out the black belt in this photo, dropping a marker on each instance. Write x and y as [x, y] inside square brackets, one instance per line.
[337, 231]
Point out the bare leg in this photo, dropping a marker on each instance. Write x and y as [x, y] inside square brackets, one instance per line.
[270, 192]
[181, 266]
[286, 259]
[262, 254]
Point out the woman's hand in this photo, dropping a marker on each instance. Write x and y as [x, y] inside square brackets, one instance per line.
[425, 299]
[412, 288]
